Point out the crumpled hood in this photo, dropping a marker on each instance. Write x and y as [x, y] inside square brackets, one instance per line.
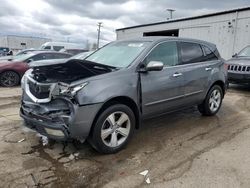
[47, 62]
[66, 70]
[239, 61]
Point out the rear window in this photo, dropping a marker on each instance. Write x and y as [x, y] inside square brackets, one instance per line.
[190, 52]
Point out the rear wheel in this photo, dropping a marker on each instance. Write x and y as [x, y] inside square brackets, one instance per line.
[9, 79]
[213, 101]
[113, 129]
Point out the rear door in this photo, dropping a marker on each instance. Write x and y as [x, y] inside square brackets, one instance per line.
[197, 64]
[163, 90]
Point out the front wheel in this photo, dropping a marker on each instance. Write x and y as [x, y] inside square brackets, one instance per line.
[113, 129]
[212, 102]
[9, 79]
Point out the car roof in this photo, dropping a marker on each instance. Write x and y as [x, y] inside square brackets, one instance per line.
[168, 38]
[47, 51]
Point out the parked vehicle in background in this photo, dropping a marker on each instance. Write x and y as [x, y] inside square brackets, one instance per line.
[73, 51]
[57, 46]
[4, 51]
[25, 51]
[239, 67]
[12, 71]
[82, 55]
[104, 97]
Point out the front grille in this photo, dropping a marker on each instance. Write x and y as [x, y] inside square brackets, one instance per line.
[239, 68]
[39, 91]
[57, 111]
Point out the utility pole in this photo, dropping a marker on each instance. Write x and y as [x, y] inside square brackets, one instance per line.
[99, 33]
[170, 12]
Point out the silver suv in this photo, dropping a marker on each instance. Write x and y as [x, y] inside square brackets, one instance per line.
[104, 97]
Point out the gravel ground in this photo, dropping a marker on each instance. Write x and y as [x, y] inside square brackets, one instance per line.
[183, 149]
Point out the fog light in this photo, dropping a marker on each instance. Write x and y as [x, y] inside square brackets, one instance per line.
[54, 132]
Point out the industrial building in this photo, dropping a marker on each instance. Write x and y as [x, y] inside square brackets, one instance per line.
[229, 30]
[16, 43]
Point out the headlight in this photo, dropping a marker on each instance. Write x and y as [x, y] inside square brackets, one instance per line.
[23, 82]
[24, 78]
[67, 90]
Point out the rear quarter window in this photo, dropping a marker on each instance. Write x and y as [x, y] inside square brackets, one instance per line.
[190, 52]
[209, 54]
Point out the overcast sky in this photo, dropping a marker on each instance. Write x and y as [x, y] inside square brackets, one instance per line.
[76, 20]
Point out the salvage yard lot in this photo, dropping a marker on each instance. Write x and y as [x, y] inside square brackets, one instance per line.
[183, 149]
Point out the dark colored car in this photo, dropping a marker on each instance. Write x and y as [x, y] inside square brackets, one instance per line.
[26, 51]
[239, 67]
[104, 97]
[11, 71]
[4, 51]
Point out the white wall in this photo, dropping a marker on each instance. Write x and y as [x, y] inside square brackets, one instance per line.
[228, 38]
[14, 42]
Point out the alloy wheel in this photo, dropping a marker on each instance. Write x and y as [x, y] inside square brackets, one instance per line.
[9, 79]
[215, 100]
[115, 129]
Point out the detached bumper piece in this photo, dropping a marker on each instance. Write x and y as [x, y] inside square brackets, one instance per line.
[49, 119]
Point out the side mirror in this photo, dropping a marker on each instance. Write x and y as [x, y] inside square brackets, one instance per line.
[29, 60]
[235, 55]
[154, 66]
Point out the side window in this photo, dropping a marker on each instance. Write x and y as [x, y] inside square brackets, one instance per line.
[190, 53]
[209, 55]
[61, 56]
[42, 57]
[47, 47]
[57, 48]
[165, 52]
[37, 57]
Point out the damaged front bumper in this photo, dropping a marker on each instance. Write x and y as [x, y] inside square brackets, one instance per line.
[59, 119]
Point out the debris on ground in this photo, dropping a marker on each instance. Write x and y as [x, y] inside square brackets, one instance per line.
[44, 139]
[71, 157]
[146, 176]
[21, 140]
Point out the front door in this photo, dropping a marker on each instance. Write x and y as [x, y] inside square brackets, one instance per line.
[163, 90]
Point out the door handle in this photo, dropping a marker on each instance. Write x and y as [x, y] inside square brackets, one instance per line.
[177, 74]
[208, 69]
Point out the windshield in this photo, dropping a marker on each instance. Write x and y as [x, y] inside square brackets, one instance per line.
[245, 52]
[118, 54]
[22, 57]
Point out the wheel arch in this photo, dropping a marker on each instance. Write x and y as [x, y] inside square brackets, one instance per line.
[221, 84]
[120, 100]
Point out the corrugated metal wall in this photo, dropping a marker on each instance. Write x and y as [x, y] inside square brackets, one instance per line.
[230, 32]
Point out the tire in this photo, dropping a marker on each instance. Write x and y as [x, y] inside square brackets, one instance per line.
[113, 129]
[9, 79]
[212, 103]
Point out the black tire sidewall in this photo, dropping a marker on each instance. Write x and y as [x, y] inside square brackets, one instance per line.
[16, 75]
[95, 138]
[207, 108]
